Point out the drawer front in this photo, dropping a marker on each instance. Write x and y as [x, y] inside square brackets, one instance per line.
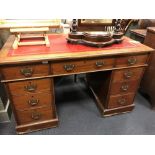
[25, 71]
[37, 115]
[124, 87]
[120, 100]
[26, 102]
[127, 74]
[131, 60]
[29, 86]
[69, 67]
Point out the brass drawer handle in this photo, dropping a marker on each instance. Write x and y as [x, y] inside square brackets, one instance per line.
[128, 74]
[122, 101]
[27, 72]
[100, 63]
[124, 87]
[36, 115]
[31, 87]
[33, 102]
[69, 67]
[132, 61]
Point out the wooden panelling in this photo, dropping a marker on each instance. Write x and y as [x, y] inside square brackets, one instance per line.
[70, 67]
[25, 71]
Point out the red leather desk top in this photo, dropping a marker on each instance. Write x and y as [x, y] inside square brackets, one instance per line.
[58, 44]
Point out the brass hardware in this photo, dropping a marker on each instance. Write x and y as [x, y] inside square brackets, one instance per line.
[132, 61]
[69, 67]
[31, 87]
[128, 74]
[36, 115]
[27, 72]
[122, 101]
[124, 87]
[100, 63]
[33, 102]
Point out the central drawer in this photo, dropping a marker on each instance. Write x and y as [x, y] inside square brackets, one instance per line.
[37, 115]
[29, 86]
[77, 66]
[26, 102]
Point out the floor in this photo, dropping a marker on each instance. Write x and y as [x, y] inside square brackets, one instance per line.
[78, 114]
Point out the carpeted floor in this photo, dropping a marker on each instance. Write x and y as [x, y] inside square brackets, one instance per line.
[78, 114]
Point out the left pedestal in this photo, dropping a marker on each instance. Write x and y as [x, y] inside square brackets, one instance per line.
[33, 104]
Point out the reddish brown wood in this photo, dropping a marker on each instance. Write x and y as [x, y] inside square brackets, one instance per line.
[119, 110]
[100, 82]
[29, 87]
[69, 67]
[35, 115]
[120, 100]
[26, 102]
[131, 60]
[24, 71]
[124, 87]
[26, 128]
[103, 70]
[127, 74]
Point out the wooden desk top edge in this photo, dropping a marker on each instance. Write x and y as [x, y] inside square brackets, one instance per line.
[64, 56]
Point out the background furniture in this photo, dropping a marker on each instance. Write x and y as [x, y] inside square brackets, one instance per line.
[101, 24]
[139, 32]
[148, 81]
[113, 75]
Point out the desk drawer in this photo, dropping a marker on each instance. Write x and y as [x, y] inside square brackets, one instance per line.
[29, 87]
[131, 60]
[124, 87]
[25, 71]
[69, 67]
[120, 100]
[127, 74]
[26, 102]
[37, 115]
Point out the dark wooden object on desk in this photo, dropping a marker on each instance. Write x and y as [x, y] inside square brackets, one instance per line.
[112, 75]
[148, 81]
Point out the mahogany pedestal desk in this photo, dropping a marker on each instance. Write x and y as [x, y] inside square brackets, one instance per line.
[112, 73]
